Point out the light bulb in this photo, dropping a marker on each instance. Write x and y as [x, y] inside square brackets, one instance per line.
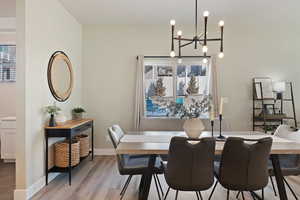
[221, 55]
[172, 54]
[172, 22]
[205, 60]
[221, 23]
[179, 61]
[204, 49]
[206, 13]
[179, 33]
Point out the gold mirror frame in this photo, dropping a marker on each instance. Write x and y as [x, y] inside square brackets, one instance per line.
[65, 95]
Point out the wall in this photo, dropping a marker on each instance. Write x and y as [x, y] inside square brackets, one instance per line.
[251, 49]
[43, 27]
[8, 90]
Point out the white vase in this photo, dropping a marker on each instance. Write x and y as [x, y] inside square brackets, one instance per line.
[193, 127]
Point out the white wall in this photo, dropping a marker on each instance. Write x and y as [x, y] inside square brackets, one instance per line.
[7, 90]
[109, 52]
[43, 28]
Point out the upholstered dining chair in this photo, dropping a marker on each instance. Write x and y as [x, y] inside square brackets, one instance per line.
[190, 165]
[134, 165]
[244, 165]
[290, 164]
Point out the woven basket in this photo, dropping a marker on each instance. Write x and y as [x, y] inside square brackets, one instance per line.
[84, 145]
[62, 153]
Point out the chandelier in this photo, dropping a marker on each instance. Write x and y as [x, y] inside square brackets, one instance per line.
[198, 39]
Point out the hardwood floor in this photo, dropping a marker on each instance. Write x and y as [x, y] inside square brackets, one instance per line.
[7, 180]
[100, 179]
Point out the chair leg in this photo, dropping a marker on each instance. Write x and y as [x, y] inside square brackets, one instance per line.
[273, 186]
[176, 196]
[243, 196]
[162, 191]
[200, 195]
[167, 193]
[125, 186]
[213, 190]
[290, 188]
[262, 194]
[156, 185]
[227, 194]
[238, 194]
[197, 196]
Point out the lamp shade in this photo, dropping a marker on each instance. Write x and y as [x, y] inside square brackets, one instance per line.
[279, 87]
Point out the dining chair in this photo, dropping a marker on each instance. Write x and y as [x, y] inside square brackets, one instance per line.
[190, 165]
[290, 164]
[134, 165]
[244, 165]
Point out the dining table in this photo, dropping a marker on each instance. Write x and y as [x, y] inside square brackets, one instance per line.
[156, 143]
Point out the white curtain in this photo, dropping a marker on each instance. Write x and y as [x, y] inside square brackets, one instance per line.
[214, 84]
[138, 105]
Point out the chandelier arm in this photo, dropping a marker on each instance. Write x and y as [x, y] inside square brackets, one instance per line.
[196, 23]
[205, 31]
[186, 44]
[199, 40]
[172, 42]
[222, 37]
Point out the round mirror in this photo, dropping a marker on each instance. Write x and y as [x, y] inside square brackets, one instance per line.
[60, 76]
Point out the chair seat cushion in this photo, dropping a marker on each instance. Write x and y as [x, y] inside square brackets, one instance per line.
[138, 164]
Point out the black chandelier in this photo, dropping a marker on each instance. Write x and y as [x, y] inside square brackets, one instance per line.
[201, 39]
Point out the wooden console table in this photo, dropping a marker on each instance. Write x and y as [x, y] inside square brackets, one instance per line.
[68, 130]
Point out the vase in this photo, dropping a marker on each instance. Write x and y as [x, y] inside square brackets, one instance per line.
[193, 127]
[76, 116]
[52, 122]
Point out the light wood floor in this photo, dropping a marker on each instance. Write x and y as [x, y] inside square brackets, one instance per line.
[7, 180]
[100, 179]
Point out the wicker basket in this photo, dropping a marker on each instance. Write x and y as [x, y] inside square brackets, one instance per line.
[62, 153]
[84, 145]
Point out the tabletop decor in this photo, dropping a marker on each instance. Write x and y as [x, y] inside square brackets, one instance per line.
[212, 118]
[200, 39]
[221, 137]
[77, 113]
[192, 110]
[52, 110]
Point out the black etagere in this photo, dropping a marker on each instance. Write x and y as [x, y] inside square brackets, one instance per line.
[262, 119]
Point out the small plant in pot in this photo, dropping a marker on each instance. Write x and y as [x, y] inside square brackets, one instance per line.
[52, 110]
[77, 113]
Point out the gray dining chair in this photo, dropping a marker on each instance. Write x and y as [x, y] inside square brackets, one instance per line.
[290, 164]
[243, 166]
[190, 165]
[134, 165]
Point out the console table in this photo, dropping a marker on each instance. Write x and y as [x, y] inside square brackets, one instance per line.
[67, 130]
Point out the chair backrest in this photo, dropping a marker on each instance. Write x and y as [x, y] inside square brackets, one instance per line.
[244, 164]
[190, 166]
[115, 133]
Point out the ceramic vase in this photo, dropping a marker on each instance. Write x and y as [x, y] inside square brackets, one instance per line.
[193, 127]
[52, 122]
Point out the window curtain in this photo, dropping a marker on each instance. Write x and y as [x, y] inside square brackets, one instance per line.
[214, 89]
[138, 105]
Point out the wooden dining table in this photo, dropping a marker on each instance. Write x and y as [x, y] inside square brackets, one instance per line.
[155, 143]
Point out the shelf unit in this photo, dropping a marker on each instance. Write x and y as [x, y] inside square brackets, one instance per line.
[265, 121]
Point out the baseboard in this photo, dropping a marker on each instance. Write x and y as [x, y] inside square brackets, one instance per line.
[105, 152]
[25, 194]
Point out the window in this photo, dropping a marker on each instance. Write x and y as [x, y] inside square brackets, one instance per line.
[168, 83]
[7, 63]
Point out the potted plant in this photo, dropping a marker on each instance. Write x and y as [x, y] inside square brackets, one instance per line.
[52, 110]
[77, 113]
[191, 110]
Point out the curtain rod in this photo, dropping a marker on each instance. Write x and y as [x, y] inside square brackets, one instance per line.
[175, 57]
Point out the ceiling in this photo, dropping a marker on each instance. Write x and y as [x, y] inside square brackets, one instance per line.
[7, 8]
[161, 11]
